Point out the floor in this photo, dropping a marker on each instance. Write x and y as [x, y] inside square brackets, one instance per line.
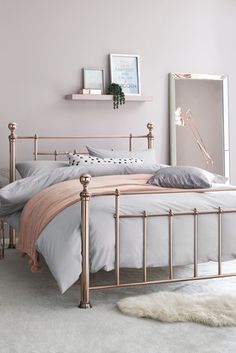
[35, 318]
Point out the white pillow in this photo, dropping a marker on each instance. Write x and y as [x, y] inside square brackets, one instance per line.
[81, 159]
[148, 156]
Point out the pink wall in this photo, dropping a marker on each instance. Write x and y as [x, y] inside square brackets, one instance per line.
[45, 44]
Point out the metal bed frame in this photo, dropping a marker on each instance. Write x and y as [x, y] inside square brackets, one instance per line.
[13, 138]
[86, 288]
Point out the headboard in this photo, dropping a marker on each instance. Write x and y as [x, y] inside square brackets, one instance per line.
[13, 138]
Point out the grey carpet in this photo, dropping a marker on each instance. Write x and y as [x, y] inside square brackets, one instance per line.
[35, 318]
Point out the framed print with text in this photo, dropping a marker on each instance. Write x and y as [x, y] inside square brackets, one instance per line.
[125, 71]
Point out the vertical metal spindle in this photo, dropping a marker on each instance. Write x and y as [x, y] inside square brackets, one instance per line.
[150, 136]
[3, 241]
[171, 214]
[84, 278]
[130, 142]
[12, 152]
[195, 244]
[145, 215]
[117, 236]
[220, 210]
[35, 147]
[12, 174]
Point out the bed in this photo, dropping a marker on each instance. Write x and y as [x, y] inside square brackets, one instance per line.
[114, 220]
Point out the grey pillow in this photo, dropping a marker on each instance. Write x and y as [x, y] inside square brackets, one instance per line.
[29, 168]
[185, 177]
[148, 156]
[4, 177]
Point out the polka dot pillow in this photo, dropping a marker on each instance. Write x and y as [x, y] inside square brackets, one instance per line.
[84, 159]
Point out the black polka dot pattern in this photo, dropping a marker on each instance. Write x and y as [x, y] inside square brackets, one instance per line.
[80, 159]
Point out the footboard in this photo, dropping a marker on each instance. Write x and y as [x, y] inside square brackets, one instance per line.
[145, 216]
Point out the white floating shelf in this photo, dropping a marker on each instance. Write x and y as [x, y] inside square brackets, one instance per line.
[105, 97]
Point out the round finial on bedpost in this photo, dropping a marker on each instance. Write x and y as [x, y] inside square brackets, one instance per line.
[117, 192]
[12, 128]
[85, 180]
[150, 135]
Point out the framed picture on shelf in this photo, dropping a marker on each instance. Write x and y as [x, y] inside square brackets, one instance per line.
[125, 71]
[94, 78]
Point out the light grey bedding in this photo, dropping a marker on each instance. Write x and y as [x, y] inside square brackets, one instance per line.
[148, 156]
[14, 196]
[29, 168]
[60, 241]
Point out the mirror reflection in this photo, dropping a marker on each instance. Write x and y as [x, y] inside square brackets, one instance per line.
[199, 121]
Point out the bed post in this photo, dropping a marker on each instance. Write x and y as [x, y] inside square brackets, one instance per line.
[150, 136]
[84, 278]
[12, 174]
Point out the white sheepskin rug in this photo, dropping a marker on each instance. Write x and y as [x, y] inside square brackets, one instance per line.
[211, 310]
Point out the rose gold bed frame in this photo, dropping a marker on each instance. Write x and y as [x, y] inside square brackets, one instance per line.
[55, 153]
[145, 216]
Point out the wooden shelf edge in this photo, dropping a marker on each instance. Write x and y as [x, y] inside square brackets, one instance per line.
[105, 97]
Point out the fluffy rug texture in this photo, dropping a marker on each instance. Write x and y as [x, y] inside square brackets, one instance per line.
[211, 310]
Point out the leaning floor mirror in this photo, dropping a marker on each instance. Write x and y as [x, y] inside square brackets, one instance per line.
[199, 131]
